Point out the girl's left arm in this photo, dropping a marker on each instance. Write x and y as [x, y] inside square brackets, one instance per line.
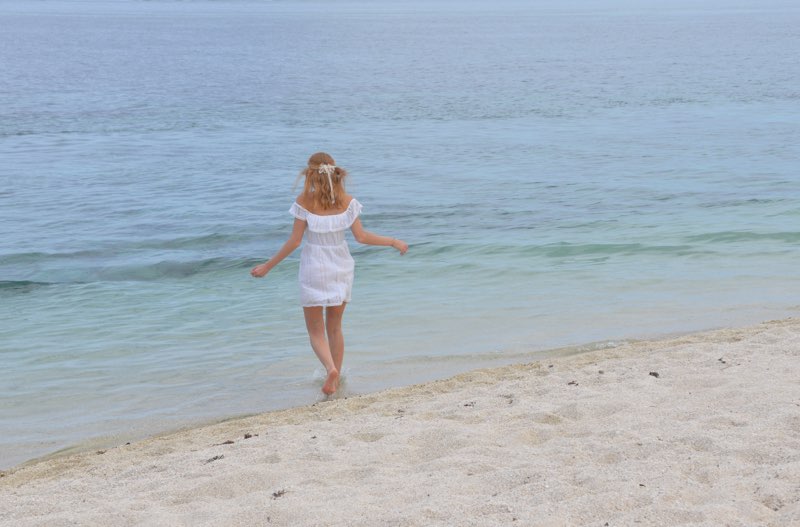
[294, 241]
[368, 238]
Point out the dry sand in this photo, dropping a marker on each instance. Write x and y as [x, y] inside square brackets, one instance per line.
[591, 439]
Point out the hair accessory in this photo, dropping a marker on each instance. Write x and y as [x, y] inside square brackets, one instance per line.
[328, 170]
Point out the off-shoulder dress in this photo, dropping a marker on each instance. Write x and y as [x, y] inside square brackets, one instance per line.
[326, 266]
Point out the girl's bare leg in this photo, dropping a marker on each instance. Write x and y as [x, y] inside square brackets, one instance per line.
[315, 325]
[333, 327]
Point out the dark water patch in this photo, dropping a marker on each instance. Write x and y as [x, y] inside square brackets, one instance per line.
[421, 214]
[668, 101]
[21, 286]
[167, 269]
[38, 257]
[18, 133]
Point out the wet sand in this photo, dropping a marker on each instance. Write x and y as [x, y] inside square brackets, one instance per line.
[701, 429]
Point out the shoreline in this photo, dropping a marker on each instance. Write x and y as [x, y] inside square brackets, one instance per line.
[676, 430]
[107, 441]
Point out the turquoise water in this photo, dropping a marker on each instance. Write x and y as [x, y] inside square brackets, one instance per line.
[566, 173]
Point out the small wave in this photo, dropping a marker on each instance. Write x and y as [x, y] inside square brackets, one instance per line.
[137, 273]
[205, 242]
[558, 250]
[511, 355]
[562, 250]
[745, 236]
[740, 203]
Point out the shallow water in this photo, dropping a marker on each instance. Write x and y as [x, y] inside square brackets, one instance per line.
[565, 173]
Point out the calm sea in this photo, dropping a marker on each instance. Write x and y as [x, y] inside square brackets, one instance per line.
[568, 174]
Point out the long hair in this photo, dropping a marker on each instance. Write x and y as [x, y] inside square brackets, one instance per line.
[324, 182]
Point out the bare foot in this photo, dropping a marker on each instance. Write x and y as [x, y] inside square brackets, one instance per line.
[331, 383]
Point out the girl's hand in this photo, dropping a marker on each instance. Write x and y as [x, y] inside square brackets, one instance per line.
[259, 271]
[400, 245]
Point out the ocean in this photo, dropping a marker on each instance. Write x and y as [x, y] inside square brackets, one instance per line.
[568, 175]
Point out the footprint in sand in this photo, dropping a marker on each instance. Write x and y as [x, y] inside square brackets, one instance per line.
[534, 437]
[547, 419]
[368, 437]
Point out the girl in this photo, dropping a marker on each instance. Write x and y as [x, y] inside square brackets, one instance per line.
[326, 211]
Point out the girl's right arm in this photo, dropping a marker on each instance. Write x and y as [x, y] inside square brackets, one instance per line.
[294, 241]
[364, 236]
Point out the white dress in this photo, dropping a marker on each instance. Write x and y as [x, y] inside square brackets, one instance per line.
[326, 267]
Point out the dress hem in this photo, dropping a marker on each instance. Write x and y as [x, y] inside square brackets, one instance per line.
[326, 305]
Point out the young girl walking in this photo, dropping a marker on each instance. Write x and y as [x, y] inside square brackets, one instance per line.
[323, 212]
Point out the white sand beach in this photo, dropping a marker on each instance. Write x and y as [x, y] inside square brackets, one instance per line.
[696, 430]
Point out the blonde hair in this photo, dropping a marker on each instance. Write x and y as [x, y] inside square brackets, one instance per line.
[324, 182]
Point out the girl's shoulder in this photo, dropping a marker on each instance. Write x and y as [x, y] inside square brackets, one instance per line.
[303, 201]
[330, 220]
[308, 205]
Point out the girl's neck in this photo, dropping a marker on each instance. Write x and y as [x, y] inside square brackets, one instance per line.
[307, 202]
